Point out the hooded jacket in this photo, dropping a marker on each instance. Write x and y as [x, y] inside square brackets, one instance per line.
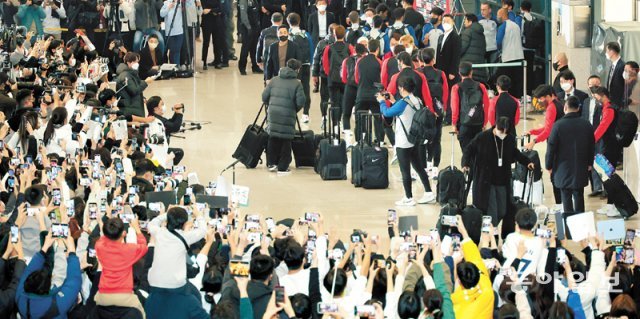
[473, 49]
[285, 97]
[476, 302]
[131, 98]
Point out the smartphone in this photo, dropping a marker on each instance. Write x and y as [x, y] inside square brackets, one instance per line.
[544, 233]
[413, 252]
[251, 225]
[392, 216]
[489, 263]
[131, 199]
[134, 143]
[56, 197]
[133, 189]
[156, 207]
[252, 218]
[336, 254]
[486, 223]
[629, 257]
[14, 234]
[11, 183]
[562, 255]
[630, 236]
[118, 164]
[271, 225]
[355, 238]
[239, 268]
[187, 199]
[327, 307]
[311, 217]
[365, 311]
[506, 272]
[449, 220]
[91, 253]
[127, 218]
[31, 211]
[93, 211]
[59, 230]
[71, 207]
[423, 239]
[455, 242]
[254, 237]
[279, 294]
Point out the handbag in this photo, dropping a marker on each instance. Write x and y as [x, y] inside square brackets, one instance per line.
[192, 266]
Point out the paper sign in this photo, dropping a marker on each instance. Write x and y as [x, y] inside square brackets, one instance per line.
[581, 226]
[240, 195]
[119, 128]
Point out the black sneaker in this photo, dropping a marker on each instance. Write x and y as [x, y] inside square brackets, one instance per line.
[212, 63]
[243, 72]
[233, 58]
[224, 65]
[218, 66]
[257, 70]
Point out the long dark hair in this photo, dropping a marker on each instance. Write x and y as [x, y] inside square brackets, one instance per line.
[58, 118]
[23, 134]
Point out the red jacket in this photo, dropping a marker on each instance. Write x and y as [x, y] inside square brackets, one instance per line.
[549, 118]
[117, 259]
[455, 104]
[608, 114]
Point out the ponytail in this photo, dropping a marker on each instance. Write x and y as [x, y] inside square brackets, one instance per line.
[58, 117]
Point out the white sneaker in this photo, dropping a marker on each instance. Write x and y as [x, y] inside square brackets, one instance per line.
[557, 208]
[305, 118]
[406, 202]
[273, 168]
[427, 198]
[284, 173]
[394, 159]
[414, 175]
[613, 212]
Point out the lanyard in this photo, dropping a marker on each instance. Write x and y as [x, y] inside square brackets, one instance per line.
[501, 152]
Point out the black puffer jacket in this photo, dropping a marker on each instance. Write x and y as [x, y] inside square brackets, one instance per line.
[285, 97]
[473, 49]
[131, 98]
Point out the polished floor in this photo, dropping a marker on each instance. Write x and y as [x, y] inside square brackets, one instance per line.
[230, 102]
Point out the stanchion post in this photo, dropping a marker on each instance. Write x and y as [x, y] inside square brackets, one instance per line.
[524, 93]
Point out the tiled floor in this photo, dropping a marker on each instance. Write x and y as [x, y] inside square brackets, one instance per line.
[230, 102]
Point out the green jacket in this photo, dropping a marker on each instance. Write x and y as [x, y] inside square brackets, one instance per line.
[31, 14]
[441, 285]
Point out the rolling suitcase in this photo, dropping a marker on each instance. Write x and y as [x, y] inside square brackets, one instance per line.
[316, 140]
[253, 142]
[522, 177]
[619, 195]
[451, 183]
[304, 147]
[332, 155]
[371, 161]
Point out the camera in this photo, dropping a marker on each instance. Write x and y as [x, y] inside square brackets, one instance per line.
[155, 139]
[382, 90]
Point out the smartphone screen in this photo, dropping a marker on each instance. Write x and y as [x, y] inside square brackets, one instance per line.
[59, 230]
[93, 211]
[629, 237]
[391, 216]
[279, 294]
[55, 193]
[239, 268]
[562, 256]
[71, 207]
[187, 199]
[486, 223]
[449, 220]
[270, 224]
[14, 234]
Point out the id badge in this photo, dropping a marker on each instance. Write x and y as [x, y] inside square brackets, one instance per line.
[499, 162]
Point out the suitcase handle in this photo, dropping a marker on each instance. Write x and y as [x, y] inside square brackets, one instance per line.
[453, 134]
[299, 127]
[521, 138]
[259, 112]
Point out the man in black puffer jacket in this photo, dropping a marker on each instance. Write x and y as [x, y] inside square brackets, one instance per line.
[130, 87]
[474, 46]
[285, 96]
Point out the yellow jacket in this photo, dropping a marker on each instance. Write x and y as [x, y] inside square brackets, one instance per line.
[476, 302]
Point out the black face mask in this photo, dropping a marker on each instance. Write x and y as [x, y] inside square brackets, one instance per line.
[555, 66]
[433, 21]
[593, 89]
[283, 38]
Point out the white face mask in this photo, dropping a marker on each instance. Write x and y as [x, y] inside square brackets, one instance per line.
[164, 108]
[72, 62]
[322, 8]
[447, 27]
[135, 66]
[115, 104]
[153, 45]
[409, 50]
[625, 75]
[607, 55]
[369, 20]
[566, 86]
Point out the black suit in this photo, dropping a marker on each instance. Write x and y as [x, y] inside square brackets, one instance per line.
[337, 8]
[615, 84]
[146, 62]
[313, 26]
[213, 26]
[570, 151]
[577, 93]
[273, 66]
[448, 56]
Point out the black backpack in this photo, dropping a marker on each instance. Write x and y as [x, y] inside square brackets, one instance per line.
[434, 81]
[350, 64]
[336, 56]
[626, 127]
[533, 32]
[471, 108]
[423, 124]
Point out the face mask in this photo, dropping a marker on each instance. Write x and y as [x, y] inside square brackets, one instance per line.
[135, 66]
[607, 55]
[447, 27]
[322, 8]
[566, 86]
[59, 51]
[369, 20]
[153, 46]
[625, 75]
[283, 38]
[409, 50]
[433, 21]
[355, 25]
[164, 108]
[593, 89]
[555, 66]
[72, 62]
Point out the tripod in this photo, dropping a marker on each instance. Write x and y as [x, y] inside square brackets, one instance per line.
[113, 20]
[180, 5]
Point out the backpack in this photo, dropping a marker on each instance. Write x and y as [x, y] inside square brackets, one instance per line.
[269, 39]
[626, 127]
[350, 64]
[336, 56]
[434, 81]
[471, 108]
[533, 33]
[353, 36]
[423, 124]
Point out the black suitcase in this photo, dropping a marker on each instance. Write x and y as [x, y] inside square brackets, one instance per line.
[619, 195]
[304, 147]
[316, 139]
[253, 142]
[521, 172]
[451, 183]
[373, 163]
[332, 155]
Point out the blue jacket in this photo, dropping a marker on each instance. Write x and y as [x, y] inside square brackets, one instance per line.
[177, 303]
[66, 296]
[31, 14]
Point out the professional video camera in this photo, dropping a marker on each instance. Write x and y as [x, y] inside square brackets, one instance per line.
[155, 139]
[382, 90]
